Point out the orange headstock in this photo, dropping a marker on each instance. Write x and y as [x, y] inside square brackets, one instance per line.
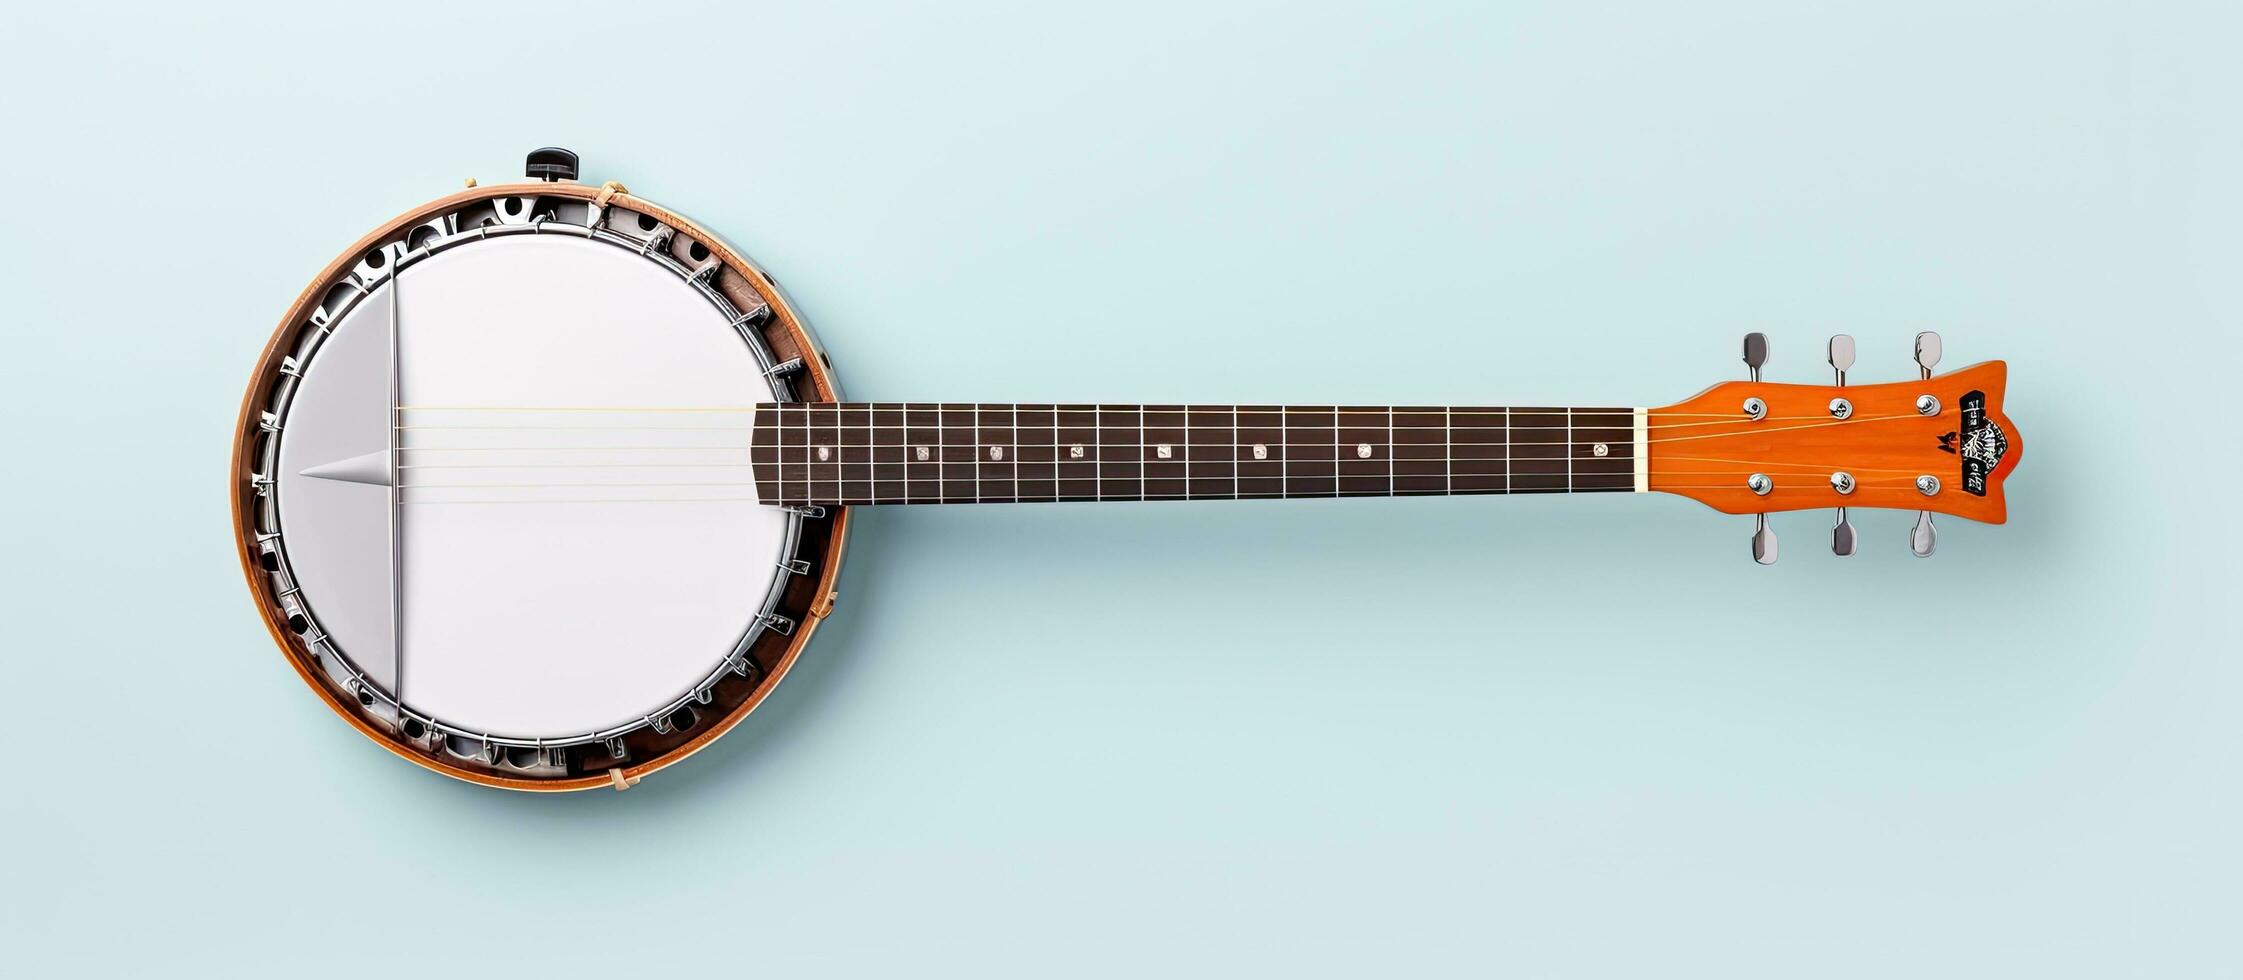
[1939, 444]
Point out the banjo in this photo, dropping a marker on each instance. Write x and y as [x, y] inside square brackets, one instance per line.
[544, 487]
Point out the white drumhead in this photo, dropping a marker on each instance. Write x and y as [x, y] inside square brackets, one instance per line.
[576, 535]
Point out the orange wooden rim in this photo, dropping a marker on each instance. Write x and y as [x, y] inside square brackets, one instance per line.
[786, 331]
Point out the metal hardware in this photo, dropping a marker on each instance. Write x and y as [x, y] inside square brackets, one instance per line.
[779, 624]
[1763, 540]
[550, 163]
[812, 511]
[1923, 537]
[796, 566]
[1841, 355]
[1764, 545]
[792, 365]
[1756, 353]
[1842, 537]
[615, 749]
[1927, 352]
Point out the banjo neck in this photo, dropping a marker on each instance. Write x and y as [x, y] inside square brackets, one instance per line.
[854, 453]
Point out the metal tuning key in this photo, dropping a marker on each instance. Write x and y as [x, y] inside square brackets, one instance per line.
[550, 163]
[1927, 352]
[1841, 358]
[1763, 539]
[1841, 355]
[1923, 537]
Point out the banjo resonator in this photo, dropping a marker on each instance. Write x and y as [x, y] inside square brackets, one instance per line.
[544, 487]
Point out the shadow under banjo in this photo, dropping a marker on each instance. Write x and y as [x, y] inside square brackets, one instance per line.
[544, 487]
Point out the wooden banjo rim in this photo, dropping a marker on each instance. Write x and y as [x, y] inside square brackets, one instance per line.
[817, 370]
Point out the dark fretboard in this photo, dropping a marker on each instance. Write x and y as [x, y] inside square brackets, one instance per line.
[886, 453]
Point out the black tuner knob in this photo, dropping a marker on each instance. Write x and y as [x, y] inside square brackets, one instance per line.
[550, 163]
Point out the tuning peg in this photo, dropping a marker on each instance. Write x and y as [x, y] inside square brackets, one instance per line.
[1842, 536]
[1763, 540]
[1927, 352]
[1756, 353]
[1841, 355]
[1923, 537]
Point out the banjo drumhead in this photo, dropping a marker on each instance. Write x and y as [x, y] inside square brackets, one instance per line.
[504, 500]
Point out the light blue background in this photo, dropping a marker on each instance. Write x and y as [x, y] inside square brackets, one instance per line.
[1542, 736]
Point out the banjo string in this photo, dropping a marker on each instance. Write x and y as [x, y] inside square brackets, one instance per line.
[1714, 420]
[845, 465]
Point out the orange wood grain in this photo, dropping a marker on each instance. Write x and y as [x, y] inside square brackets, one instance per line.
[1705, 449]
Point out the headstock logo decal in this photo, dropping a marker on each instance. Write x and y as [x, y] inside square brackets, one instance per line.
[1984, 444]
